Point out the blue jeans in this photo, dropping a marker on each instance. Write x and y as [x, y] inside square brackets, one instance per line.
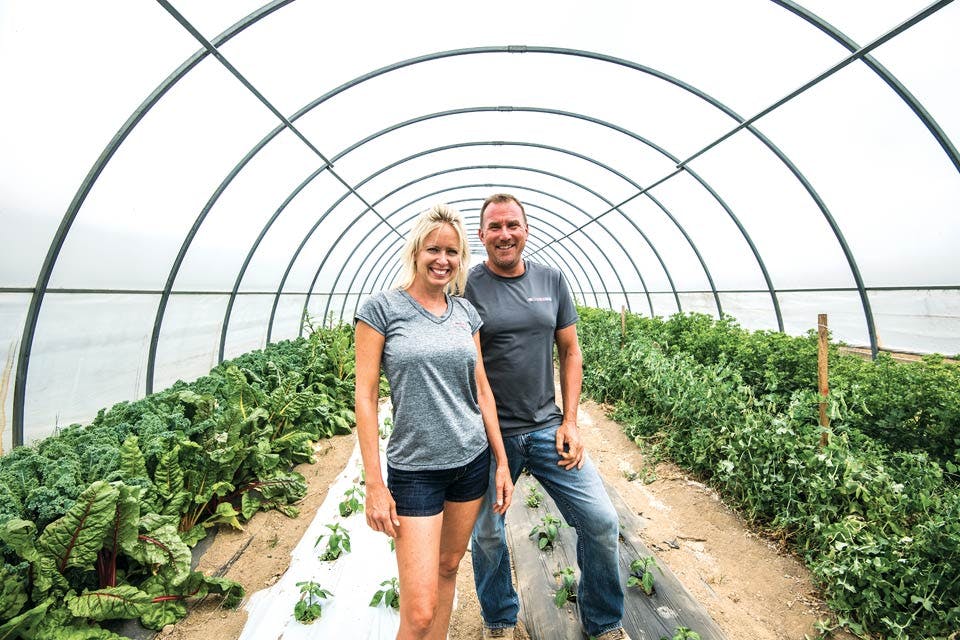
[584, 504]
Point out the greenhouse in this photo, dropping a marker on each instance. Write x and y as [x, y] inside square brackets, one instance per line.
[198, 197]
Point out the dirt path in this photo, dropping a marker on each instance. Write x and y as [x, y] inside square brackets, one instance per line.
[751, 588]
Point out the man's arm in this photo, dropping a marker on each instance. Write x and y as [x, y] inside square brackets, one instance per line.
[569, 445]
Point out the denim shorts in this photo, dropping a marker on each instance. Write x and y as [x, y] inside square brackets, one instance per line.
[422, 493]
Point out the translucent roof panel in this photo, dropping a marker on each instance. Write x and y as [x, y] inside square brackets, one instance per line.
[185, 180]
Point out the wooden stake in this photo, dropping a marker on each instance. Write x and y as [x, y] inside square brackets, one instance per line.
[623, 325]
[822, 377]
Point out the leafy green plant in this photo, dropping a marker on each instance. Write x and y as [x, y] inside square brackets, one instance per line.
[308, 609]
[352, 502]
[682, 633]
[389, 596]
[567, 591]
[534, 497]
[96, 523]
[386, 428]
[338, 542]
[545, 533]
[641, 574]
[873, 513]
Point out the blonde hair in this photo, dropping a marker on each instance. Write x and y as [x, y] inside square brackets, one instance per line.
[428, 222]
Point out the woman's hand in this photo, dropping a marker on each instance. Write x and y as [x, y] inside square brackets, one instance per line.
[381, 510]
[504, 489]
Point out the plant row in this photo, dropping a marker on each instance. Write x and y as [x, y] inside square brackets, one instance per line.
[876, 519]
[97, 522]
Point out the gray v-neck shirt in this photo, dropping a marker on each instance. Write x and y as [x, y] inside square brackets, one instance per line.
[430, 362]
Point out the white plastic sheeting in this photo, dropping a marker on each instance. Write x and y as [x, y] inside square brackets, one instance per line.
[353, 578]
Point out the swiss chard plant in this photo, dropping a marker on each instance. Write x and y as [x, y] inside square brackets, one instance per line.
[96, 523]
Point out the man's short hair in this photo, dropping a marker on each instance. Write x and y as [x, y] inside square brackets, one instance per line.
[500, 198]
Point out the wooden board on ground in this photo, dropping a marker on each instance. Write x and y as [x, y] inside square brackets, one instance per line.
[645, 617]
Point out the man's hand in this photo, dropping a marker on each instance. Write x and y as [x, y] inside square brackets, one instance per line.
[569, 446]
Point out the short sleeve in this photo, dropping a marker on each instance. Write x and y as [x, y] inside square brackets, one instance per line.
[373, 311]
[566, 310]
[472, 315]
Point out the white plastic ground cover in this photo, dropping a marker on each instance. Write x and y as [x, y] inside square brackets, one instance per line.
[353, 578]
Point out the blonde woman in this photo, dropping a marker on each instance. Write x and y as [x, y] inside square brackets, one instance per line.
[445, 428]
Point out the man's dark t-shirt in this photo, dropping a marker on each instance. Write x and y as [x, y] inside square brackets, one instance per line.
[520, 316]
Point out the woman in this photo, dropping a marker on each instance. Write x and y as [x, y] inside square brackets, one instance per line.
[444, 420]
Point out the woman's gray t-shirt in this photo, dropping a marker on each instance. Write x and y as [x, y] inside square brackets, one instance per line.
[430, 362]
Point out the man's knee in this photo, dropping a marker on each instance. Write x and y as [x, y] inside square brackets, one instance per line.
[420, 615]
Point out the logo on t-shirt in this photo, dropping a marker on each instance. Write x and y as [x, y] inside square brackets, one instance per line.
[540, 299]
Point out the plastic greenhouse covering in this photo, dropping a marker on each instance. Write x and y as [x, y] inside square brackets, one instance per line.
[183, 181]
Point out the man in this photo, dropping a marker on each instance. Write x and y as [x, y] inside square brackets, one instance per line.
[527, 308]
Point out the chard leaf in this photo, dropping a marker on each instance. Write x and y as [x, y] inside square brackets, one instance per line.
[13, 589]
[25, 624]
[250, 503]
[194, 535]
[158, 545]
[21, 536]
[159, 614]
[225, 514]
[112, 603]
[47, 579]
[74, 539]
[168, 476]
[283, 487]
[123, 527]
[132, 462]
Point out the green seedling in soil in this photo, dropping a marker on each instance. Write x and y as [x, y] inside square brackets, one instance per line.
[534, 497]
[386, 428]
[641, 574]
[389, 596]
[545, 534]
[683, 633]
[568, 587]
[338, 542]
[352, 502]
[308, 609]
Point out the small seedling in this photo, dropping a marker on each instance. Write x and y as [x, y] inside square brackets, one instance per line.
[534, 497]
[545, 534]
[389, 596]
[641, 574]
[352, 502]
[393, 545]
[308, 609]
[683, 633]
[568, 587]
[386, 428]
[338, 542]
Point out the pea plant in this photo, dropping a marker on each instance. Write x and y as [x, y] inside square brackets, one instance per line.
[545, 533]
[389, 596]
[641, 574]
[352, 502]
[308, 608]
[534, 497]
[338, 542]
[567, 592]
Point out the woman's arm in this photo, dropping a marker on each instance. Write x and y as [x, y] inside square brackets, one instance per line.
[380, 508]
[488, 409]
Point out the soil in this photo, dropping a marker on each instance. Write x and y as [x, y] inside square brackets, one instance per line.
[751, 587]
